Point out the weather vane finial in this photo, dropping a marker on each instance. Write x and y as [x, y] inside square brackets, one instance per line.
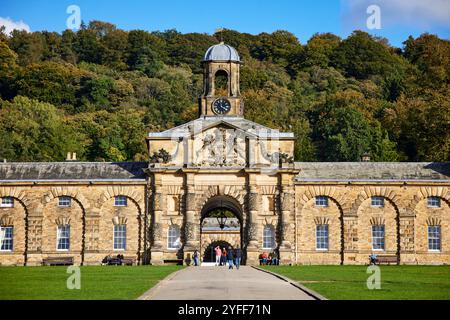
[220, 31]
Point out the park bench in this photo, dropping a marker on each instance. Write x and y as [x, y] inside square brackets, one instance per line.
[126, 261]
[129, 261]
[177, 262]
[58, 261]
[387, 260]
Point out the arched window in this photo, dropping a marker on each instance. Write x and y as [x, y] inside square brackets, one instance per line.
[173, 237]
[221, 83]
[269, 237]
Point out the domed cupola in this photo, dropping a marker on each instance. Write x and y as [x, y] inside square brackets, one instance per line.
[221, 52]
[221, 94]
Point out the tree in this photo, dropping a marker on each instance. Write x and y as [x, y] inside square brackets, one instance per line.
[362, 56]
[36, 131]
[8, 70]
[432, 56]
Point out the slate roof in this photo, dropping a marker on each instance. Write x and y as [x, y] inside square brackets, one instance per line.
[203, 123]
[373, 171]
[309, 171]
[72, 171]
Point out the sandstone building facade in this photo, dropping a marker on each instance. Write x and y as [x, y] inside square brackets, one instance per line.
[163, 210]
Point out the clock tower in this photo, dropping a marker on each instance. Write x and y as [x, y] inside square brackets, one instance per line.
[221, 94]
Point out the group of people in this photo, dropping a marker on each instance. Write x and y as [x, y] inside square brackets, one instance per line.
[231, 256]
[269, 259]
[110, 260]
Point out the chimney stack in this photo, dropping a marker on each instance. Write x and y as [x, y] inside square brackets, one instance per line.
[71, 156]
[365, 157]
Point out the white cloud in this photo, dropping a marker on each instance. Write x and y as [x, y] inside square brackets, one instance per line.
[410, 13]
[13, 25]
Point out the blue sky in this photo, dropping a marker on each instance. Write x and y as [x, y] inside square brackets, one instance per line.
[399, 18]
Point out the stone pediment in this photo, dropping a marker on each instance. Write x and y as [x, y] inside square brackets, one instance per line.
[222, 142]
[249, 128]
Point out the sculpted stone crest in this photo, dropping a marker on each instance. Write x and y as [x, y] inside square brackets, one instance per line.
[222, 147]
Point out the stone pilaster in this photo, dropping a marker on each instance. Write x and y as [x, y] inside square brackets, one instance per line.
[34, 241]
[406, 233]
[192, 223]
[251, 228]
[350, 238]
[157, 205]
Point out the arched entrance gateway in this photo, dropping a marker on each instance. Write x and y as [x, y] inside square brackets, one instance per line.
[220, 225]
[221, 179]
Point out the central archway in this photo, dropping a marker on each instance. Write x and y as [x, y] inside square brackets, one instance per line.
[221, 224]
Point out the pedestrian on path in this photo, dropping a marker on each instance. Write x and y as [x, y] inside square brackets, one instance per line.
[218, 255]
[230, 258]
[237, 257]
[224, 257]
[196, 256]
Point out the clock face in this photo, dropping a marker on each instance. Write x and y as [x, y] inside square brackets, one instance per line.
[221, 106]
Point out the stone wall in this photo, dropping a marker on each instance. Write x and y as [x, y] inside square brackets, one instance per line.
[260, 200]
[91, 216]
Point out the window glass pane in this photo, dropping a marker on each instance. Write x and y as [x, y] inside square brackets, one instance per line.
[378, 237]
[120, 237]
[173, 238]
[64, 201]
[7, 202]
[322, 236]
[322, 201]
[120, 201]
[434, 202]
[6, 238]
[377, 201]
[434, 238]
[269, 237]
[63, 237]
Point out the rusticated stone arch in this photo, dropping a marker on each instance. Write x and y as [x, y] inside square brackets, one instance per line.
[338, 199]
[18, 194]
[112, 192]
[66, 192]
[326, 191]
[22, 222]
[233, 192]
[369, 192]
[441, 192]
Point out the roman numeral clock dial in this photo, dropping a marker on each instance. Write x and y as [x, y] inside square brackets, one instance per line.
[221, 106]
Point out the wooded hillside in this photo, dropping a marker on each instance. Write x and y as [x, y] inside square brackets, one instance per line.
[98, 91]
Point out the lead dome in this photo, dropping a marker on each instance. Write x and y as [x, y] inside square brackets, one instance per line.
[222, 52]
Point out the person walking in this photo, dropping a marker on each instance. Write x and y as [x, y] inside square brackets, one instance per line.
[230, 258]
[224, 257]
[218, 255]
[196, 256]
[237, 257]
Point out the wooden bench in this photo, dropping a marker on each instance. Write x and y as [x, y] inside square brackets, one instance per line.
[126, 261]
[58, 261]
[387, 259]
[129, 261]
[177, 262]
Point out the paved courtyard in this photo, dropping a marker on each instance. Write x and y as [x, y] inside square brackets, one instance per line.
[219, 283]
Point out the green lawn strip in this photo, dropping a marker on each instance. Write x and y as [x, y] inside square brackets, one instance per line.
[349, 282]
[97, 283]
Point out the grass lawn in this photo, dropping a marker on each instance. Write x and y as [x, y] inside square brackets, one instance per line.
[349, 282]
[97, 283]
